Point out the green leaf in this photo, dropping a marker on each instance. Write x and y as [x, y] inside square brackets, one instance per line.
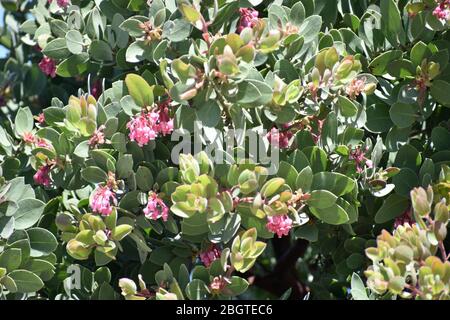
[94, 175]
[440, 90]
[197, 290]
[26, 281]
[74, 41]
[321, 199]
[76, 65]
[378, 118]
[391, 22]
[236, 286]
[347, 107]
[310, 28]
[28, 213]
[11, 259]
[403, 115]
[101, 51]
[419, 52]
[317, 158]
[144, 178]
[380, 64]
[392, 207]
[139, 89]
[334, 215]
[42, 242]
[57, 49]
[307, 231]
[24, 121]
[125, 166]
[334, 182]
[289, 173]
[304, 180]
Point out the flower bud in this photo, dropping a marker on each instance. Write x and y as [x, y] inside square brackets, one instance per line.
[420, 201]
[433, 70]
[128, 286]
[331, 57]
[370, 88]
[441, 212]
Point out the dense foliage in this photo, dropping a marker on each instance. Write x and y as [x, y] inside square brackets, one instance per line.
[118, 179]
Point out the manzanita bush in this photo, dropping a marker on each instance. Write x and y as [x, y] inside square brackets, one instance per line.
[223, 149]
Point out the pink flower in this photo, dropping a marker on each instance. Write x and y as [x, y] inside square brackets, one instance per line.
[406, 217]
[102, 199]
[98, 137]
[358, 155]
[442, 11]
[61, 3]
[279, 224]
[165, 122]
[148, 125]
[218, 284]
[249, 18]
[211, 254]
[42, 176]
[143, 128]
[48, 66]
[28, 137]
[42, 143]
[156, 208]
[355, 88]
[279, 138]
[41, 118]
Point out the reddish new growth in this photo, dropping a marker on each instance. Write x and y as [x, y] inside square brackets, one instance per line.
[359, 156]
[406, 217]
[249, 18]
[96, 89]
[156, 208]
[208, 256]
[48, 66]
[279, 224]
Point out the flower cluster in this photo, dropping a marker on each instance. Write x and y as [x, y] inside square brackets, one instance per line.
[98, 137]
[279, 224]
[280, 139]
[355, 88]
[208, 256]
[48, 66]
[359, 156]
[102, 200]
[442, 11]
[42, 176]
[249, 18]
[146, 126]
[61, 3]
[156, 208]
